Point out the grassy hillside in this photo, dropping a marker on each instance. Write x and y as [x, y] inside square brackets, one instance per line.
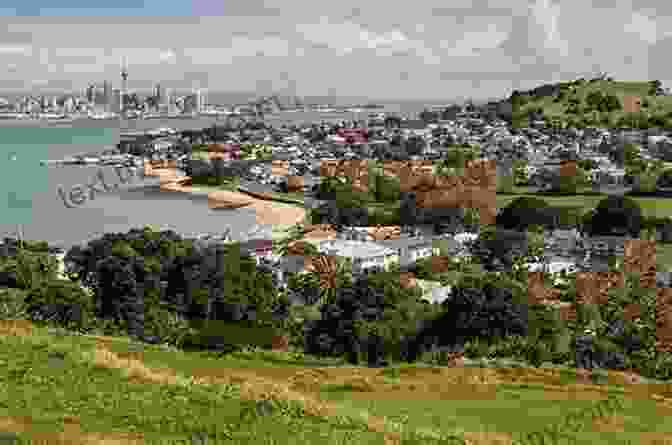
[59, 388]
[557, 104]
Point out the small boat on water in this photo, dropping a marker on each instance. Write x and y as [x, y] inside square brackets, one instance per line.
[103, 115]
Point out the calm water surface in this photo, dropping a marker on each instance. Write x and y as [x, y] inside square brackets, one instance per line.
[29, 192]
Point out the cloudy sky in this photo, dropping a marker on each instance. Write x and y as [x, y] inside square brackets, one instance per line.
[376, 49]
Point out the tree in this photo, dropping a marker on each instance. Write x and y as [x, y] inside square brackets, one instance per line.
[594, 99]
[479, 308]
[616, 215]
[387, 189]
[665, 179]
[655, 87]
[523, 212]
[520, 172]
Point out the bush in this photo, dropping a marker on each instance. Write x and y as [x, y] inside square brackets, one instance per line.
[523, 212]
[63, 303]
[615, 215]
[12, 304]
[490, 312]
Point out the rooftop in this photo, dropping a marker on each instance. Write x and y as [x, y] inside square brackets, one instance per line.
[355, 249]
[405, 242]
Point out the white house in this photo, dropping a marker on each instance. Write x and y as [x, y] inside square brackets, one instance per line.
[364, 254]
[410, 249]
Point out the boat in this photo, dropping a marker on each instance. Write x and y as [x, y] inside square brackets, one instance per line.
[103, 115]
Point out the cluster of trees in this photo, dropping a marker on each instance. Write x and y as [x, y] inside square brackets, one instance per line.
[218, 297]
[605, 103]
[655, 88]
[155, 286]
[612, 215]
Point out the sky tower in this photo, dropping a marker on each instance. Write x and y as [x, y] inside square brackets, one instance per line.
[124, 77]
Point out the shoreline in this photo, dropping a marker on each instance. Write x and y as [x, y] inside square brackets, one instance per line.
[268, 212]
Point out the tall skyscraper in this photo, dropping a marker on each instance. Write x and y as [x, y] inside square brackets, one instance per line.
[124, 78]
[199, 101]
[91, 93]
[117, 101]
[169, 99]
[158, 93]
[107, 94]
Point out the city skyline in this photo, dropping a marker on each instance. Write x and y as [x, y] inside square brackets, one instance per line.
[377, 51]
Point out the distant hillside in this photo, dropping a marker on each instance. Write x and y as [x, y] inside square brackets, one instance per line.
[595, 102]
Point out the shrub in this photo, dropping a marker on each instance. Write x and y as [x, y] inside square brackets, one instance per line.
[523, 212]
[63, 303]
[615, 215]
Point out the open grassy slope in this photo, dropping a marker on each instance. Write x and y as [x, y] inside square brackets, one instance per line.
[657, 104]
[60, 388]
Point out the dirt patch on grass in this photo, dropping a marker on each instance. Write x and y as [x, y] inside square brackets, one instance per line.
[71, 434]
[611, 424]
[305, 385]
[16, 327]
[252, 387]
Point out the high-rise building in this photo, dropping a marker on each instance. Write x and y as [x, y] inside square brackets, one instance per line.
[159, 93]
[117, 101]
[124, 89]
[169, 99]
[91, 93]
[198, 101]
[107, 94]
[69, 105]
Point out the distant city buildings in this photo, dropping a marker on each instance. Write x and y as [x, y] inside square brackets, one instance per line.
[107, 95]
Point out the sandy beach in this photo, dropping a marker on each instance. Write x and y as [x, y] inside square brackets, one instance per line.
[267, 212]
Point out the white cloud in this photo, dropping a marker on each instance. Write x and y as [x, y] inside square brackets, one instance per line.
[472, 41]
[16, 49]
[167, 56]
[642, 26]
[545, 15]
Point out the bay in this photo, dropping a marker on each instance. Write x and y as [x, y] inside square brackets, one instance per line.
[29, 191]
[30, 199]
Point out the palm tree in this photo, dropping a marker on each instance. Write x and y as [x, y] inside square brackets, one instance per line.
[334, 272]
[295, 233]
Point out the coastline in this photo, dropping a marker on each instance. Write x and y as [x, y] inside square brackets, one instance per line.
[268, 212]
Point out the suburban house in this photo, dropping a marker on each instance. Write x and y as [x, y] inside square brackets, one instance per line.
[608, 176]
[257, 248]
[410, 249]
[365, 255]
[601, 245]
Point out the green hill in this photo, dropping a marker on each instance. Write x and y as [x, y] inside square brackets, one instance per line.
[62, 388]
[570, 104]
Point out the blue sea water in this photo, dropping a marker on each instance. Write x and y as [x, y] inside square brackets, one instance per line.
[30, 201]
[29, 192]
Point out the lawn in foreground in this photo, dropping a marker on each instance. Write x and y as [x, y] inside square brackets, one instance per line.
[50, 389]
[509, 409]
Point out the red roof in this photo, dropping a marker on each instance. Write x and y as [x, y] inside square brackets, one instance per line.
[257, 246]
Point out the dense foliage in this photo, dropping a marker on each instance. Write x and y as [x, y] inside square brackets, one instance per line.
[615, 215]
[523, 212]
[476, 309]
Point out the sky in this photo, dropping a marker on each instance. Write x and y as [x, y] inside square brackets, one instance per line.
[430, 49]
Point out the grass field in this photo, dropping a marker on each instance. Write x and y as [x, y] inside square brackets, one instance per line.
[657, 104]
[658, 207]
[82, 389]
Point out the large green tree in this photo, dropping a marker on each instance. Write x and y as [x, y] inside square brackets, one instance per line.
[615, 215]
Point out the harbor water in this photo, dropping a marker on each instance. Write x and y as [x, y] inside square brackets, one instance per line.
[31, 198]
[29, 191]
